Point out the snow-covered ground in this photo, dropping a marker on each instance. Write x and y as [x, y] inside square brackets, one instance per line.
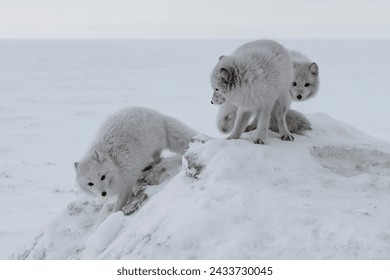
[323, 196]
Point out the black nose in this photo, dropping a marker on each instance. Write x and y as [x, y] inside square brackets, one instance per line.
[104, 193]
[212, 102]
[299, 97]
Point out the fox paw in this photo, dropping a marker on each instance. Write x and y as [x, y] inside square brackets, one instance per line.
[258, 141]
[233, 136]
[287, 138]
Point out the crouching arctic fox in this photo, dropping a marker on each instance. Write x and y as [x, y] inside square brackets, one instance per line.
[127, 142]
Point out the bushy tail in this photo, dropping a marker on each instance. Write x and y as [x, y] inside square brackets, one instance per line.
[226, 116]
[178, 135]
[296, 122]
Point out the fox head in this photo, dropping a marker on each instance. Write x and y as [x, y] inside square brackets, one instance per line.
[94, 174]
[306, 81]
[223, 79]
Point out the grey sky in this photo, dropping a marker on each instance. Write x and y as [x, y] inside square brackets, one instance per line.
[193, 18]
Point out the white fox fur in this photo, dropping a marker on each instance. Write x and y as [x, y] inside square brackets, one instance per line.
[127, 142]
[256, 79]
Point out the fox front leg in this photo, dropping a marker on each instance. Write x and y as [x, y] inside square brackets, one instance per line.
[121, 201]
[280, 111]
[264, 116]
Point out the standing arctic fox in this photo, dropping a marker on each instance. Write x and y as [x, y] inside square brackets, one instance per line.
[127, 142]
[256, 79]
[304, 86]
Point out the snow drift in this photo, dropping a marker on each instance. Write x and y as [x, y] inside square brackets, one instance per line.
[324, 196]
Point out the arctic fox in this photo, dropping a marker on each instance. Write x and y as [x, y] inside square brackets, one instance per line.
[256, 79]
[128, 142]
[304, 86]
[306, 81]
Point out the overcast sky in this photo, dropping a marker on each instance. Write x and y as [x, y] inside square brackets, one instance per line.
[194, 18]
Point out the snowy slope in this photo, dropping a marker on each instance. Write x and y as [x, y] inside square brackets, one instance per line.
[323, 196]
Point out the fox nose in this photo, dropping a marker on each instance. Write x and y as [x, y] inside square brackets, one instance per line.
[104, 193]
[299, 97]
[212, 102]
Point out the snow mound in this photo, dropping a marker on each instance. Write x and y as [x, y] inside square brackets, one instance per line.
[323, 196]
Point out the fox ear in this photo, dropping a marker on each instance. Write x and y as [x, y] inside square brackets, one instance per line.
[226, 73]
[313, 68]
[227, 76]
[76, 164]
[222, 56]
[98, 157]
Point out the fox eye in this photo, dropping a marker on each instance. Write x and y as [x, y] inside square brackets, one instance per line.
[216, 89]
[294, 84]
[103, 177]
[90, 184]
[307, 84]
